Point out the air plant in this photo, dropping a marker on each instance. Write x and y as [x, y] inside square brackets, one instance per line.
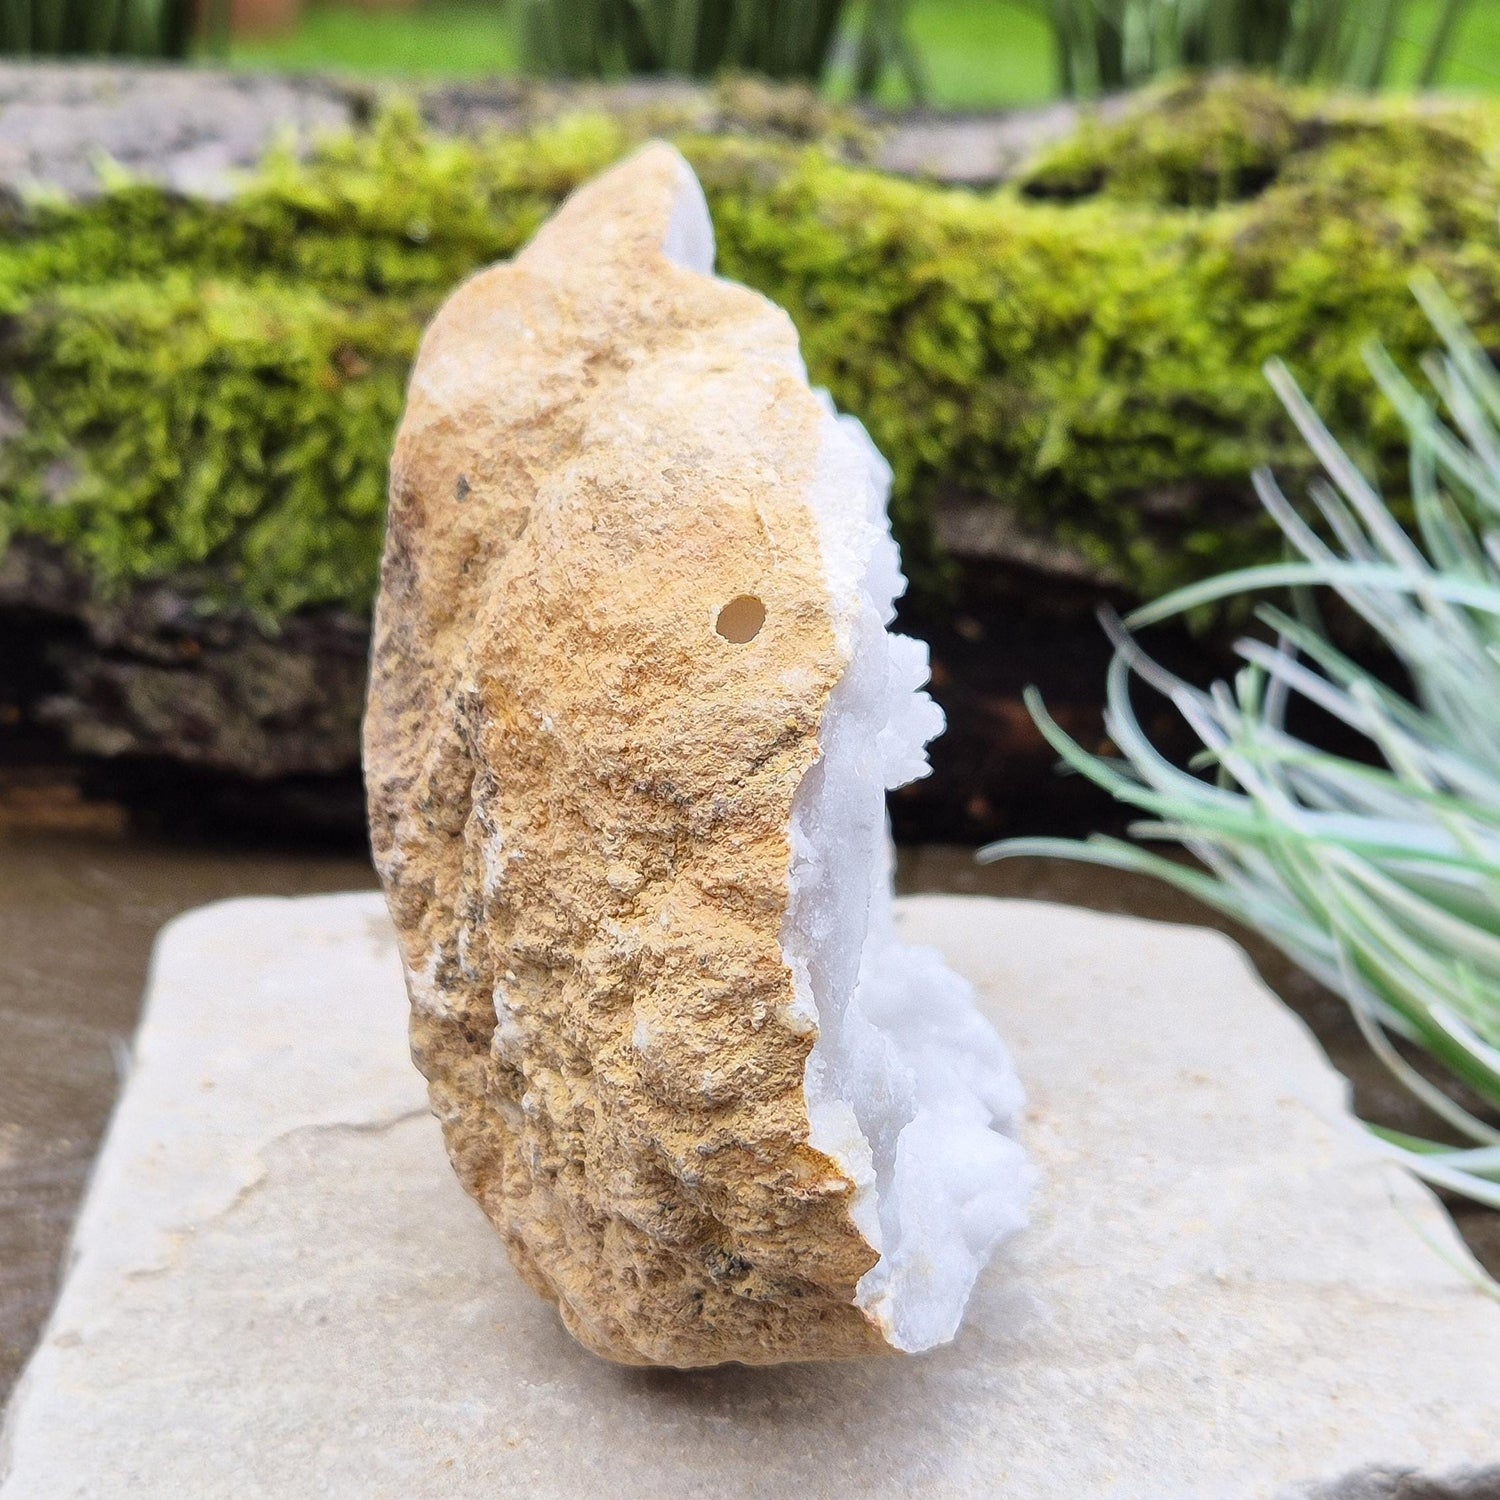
[1378, 875]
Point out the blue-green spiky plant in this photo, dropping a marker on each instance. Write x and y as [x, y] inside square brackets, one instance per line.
[1381, 877]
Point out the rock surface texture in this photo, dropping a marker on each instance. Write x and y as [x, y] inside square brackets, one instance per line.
[633, 711]
[65, 127]
[278, 1289]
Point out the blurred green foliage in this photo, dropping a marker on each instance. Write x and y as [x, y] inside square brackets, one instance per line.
[209, 390]
[1105, 45]
[135, 28]
[694, 38]
[781, 39]
[973, 55]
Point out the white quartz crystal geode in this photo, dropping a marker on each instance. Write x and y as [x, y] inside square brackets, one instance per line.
[633, 713]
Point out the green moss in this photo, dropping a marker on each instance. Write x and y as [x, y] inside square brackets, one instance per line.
[1197, 145]
[208, 429]
[1210, 142]
[210, 389]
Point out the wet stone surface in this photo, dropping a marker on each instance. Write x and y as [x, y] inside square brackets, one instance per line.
[1224, 1290]
[78, 915]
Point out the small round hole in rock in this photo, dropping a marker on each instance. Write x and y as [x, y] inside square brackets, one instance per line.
[740, 620]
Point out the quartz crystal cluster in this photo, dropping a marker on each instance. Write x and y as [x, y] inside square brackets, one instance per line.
[634, 710]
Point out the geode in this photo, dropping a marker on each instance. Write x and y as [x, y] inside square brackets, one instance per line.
[633, 713]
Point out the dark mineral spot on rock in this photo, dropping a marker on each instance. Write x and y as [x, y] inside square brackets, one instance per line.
[740, 620]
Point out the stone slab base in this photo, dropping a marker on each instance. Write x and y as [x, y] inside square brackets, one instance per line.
[279, 1289]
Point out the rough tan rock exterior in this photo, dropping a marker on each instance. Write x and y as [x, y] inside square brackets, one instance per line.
[580, 791]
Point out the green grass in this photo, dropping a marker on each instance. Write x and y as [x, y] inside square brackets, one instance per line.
[977, 53]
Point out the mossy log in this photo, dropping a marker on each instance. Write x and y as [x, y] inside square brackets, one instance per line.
[200, 394]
